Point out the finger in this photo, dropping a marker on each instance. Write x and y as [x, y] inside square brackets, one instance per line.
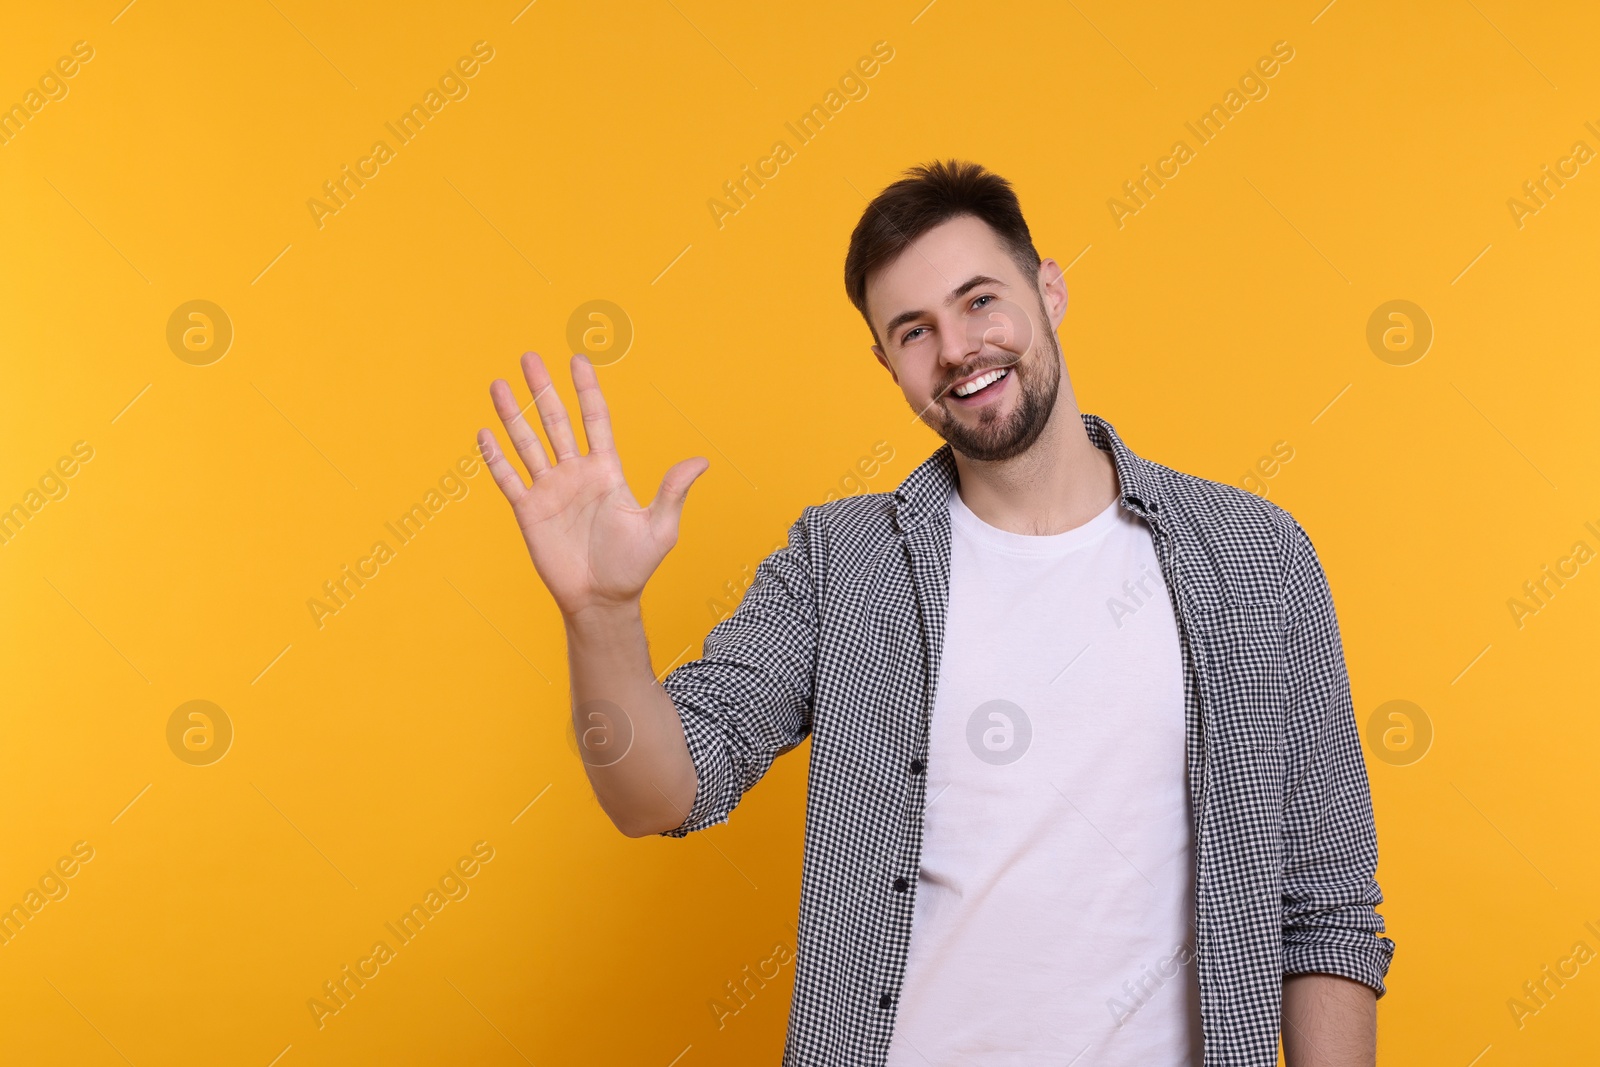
[592, 403]
[552, 412]
[500, 468]
[523, 439]
[667, 507]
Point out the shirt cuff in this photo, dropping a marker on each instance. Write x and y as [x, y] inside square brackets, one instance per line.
[1354, 954]
[712, 771]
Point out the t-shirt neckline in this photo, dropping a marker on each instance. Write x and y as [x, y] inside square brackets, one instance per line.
[967, 521]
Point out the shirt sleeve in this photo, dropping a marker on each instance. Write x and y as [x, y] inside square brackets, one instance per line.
[747, 699]
[1330, 890]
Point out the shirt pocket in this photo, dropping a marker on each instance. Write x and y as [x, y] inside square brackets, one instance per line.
[1246, 683]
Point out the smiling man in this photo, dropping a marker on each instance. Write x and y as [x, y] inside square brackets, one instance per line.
[1085, 786]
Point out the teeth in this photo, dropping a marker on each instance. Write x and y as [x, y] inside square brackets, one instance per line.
[979, 382]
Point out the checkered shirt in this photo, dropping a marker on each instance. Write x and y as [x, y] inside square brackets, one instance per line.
[839, 637]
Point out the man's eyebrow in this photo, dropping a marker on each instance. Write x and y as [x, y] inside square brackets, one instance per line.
[955, 294]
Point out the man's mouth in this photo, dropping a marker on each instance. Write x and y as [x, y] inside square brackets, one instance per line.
[976, 386]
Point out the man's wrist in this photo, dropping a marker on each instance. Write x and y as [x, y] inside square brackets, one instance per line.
[603, 620]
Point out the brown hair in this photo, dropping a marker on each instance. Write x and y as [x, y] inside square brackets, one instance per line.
[928, 195]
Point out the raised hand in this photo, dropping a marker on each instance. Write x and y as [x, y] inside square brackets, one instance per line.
[592, 544]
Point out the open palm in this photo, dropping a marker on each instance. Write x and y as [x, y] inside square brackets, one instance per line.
[592, 543]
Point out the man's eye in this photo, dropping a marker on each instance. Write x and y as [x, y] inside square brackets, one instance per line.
[981, 301]
[912, 333]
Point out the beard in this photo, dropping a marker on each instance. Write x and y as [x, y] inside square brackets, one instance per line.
[997, 437]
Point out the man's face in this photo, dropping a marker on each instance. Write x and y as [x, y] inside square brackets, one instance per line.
[953, 312]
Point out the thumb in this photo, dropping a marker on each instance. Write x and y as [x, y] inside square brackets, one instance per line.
[666, 508]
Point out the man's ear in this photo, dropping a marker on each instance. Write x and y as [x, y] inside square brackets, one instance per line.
[1053, 287]
[877, 350]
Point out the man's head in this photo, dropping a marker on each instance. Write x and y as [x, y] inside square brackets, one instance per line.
[944, 271]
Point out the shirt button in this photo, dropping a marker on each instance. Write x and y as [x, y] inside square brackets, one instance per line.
[884, 1001]
[900, 885]
[917, 766]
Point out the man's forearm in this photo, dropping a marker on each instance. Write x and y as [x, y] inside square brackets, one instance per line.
[1329, 1021]
[628, 730]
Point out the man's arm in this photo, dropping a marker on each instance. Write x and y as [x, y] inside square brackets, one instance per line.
[595, 548]
[1329, 1021]
[1334, 957]
[628, 731]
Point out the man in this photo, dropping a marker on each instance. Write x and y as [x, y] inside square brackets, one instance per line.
[1085, 782]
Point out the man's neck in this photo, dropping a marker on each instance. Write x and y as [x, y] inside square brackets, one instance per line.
[1061, 482]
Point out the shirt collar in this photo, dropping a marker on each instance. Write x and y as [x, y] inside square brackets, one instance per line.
[925, 493]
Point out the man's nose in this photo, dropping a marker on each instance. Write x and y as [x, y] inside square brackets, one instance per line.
[958, 344]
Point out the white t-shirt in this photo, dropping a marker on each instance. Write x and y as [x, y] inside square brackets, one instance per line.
[1055, 904]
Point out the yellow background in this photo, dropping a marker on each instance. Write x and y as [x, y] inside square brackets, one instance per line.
[426, 715]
